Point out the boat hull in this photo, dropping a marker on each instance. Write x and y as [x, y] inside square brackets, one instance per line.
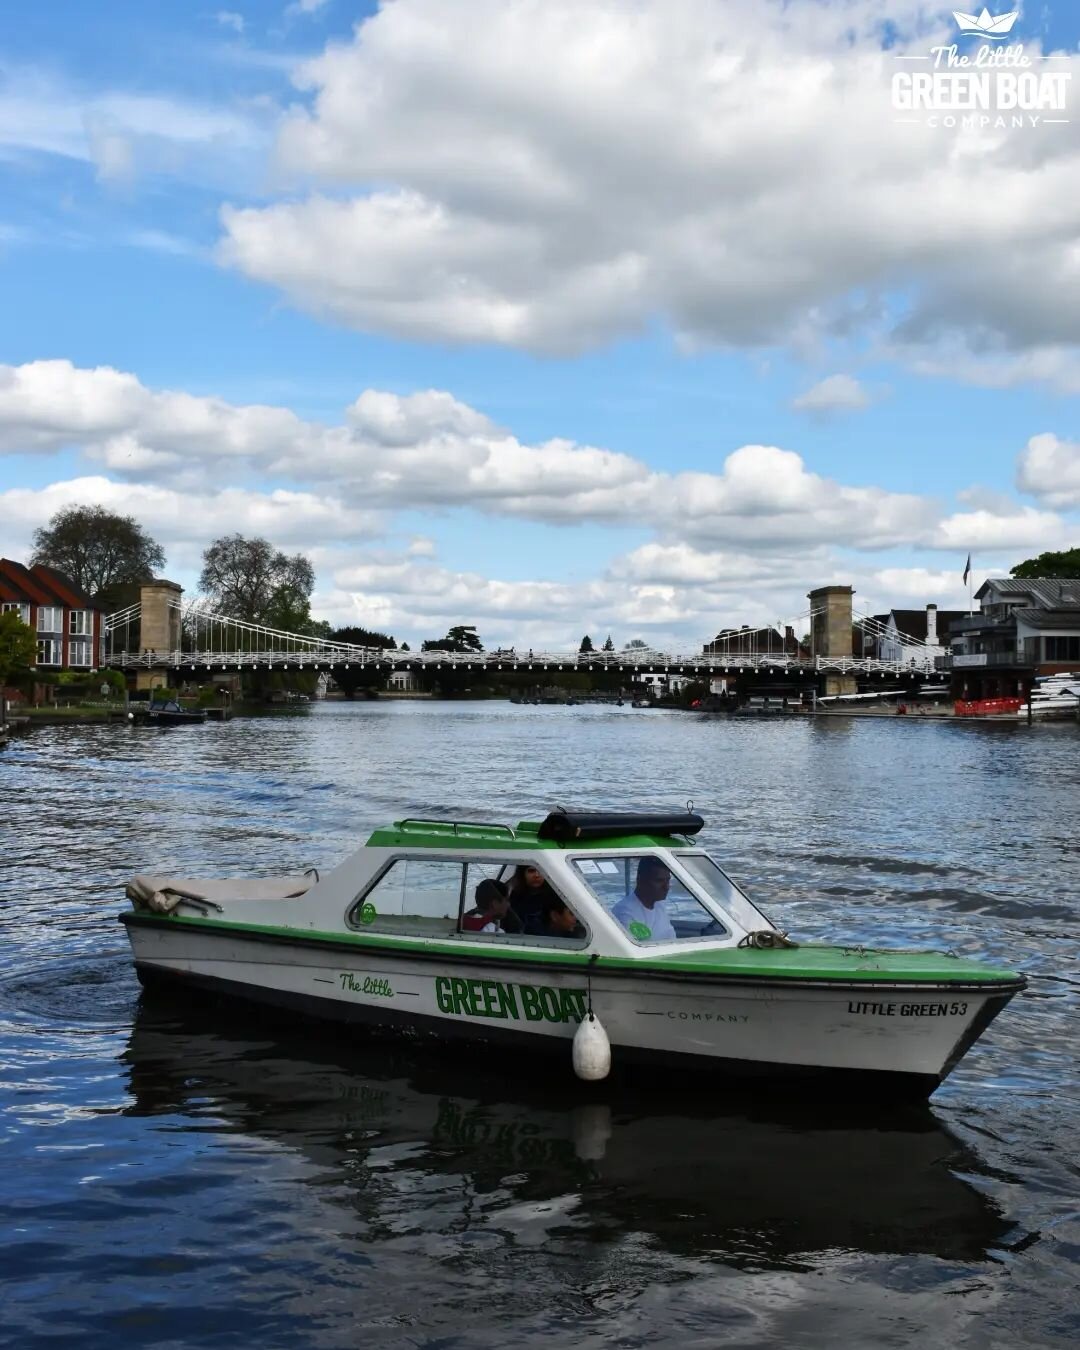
[897, 1038]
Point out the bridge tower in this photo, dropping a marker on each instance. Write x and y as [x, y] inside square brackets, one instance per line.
[159, 629]
[830, 631]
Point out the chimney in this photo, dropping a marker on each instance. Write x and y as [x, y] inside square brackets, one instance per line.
[789, 638]
[931, 625]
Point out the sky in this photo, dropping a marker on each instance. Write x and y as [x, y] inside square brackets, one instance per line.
[553, 317]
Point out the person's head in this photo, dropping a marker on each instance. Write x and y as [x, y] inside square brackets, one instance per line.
[559, 918]
[528, 878]
[653, 880]
[491, 898]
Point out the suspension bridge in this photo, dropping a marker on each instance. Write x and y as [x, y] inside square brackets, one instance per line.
[189, 638]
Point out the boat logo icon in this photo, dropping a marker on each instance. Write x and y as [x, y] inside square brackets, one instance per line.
[986, 25]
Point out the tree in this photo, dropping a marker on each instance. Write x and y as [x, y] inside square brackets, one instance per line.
[97, 549]
[460, 638]
[636, 644]
[404, 646]
[609, 646]
[1066, 564]
[18, 647]
[362, 637]
[249, 579]
[586, 644]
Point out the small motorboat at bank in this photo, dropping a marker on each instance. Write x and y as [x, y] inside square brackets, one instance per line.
[663, 960]
[170, 713]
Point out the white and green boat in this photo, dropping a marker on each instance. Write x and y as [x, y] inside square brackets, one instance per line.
[622, 941]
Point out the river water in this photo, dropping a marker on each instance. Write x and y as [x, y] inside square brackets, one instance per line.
[177, 1177]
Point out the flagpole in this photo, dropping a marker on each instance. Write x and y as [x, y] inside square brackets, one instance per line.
[971, 602]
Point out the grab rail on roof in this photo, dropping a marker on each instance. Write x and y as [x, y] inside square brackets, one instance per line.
[454, 825]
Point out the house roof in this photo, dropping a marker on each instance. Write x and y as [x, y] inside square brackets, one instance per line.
[912, 622]
[22, 580]
[1043, 592]
[1049, 618]
[73, 596]
[40, 585]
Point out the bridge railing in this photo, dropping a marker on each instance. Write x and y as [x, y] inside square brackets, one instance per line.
[330, 655]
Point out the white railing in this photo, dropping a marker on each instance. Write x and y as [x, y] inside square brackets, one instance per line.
[320, 656]
[218, 640]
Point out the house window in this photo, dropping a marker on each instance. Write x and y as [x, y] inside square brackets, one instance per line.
[50, 619]
[49, 652]
[23, 611]
[81, 622]
[79, 650]
[1063, 648]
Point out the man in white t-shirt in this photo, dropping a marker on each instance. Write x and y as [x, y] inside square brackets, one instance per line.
[643, 911]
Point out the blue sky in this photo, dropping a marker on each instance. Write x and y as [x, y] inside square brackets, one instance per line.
[550, 319]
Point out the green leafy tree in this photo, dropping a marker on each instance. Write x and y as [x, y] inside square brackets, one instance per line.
[636, 644]
[1066, 564]
[586, 644]
[609, 646]
[98, 550]
[363, 637]
[18, 646]
[461, 638]
[249, 579]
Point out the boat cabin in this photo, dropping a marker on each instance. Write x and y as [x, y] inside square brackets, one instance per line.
[614, 884]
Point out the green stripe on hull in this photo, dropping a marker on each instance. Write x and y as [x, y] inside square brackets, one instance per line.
[813, 963]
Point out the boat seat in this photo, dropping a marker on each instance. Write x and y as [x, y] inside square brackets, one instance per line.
[165, 893]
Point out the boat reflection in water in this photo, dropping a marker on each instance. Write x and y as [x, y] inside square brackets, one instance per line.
[389, 1126]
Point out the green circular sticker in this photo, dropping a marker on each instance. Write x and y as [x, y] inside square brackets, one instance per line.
[639, 931]
[367, 913]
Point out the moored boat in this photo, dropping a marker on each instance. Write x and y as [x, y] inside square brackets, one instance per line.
[170, 713]
[602, 933]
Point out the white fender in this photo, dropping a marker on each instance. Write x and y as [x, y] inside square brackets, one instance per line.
[592, 1050]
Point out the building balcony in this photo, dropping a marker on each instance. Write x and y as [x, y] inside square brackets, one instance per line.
[980, 660]
[976, 623]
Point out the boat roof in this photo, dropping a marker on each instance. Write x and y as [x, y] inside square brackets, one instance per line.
[559, 829]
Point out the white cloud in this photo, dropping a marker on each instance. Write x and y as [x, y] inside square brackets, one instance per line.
[188, 521]
[228, 19]
[836, 393]
[123, 134]
[740, 544]
[429, 450]
[1050, 468]
[988, 366]
[552, 176]
[1023, 528]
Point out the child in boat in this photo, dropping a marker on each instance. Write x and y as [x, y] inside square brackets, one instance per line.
[492, 913]
[561, 921]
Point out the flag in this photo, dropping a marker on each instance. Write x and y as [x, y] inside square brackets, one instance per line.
[967, 569]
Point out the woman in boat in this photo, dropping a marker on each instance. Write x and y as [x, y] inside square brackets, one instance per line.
[530, 895]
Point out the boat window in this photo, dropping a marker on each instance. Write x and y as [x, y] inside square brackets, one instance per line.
[641, 893]
[719, 887]
[420, 897]
[548, 920]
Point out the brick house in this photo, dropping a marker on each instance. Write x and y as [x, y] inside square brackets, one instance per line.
[69, 627]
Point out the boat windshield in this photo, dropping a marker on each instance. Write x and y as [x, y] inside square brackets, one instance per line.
[719, 887]
[643, 895]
